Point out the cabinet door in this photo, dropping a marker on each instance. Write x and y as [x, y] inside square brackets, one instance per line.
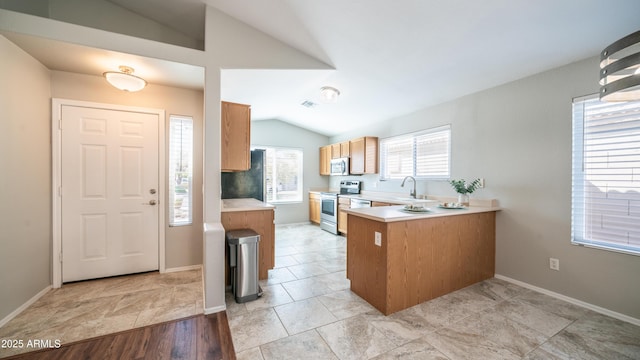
[236, 137]
[364, 155]
[379, 203]
[335, 151]
[314, 208]
[344, 149]
[325, 160]
[342, 219]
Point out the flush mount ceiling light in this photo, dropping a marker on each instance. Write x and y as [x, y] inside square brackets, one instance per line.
[329, 94]
[124, 80]
[620, 70]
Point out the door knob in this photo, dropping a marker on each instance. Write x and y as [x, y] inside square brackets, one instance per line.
[151, 202]
[152, 191]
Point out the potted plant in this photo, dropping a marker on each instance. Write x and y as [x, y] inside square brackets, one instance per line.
[463, 189]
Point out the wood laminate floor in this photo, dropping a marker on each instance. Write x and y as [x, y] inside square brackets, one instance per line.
[197, 337]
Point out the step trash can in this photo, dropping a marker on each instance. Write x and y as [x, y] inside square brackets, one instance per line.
[243, 264]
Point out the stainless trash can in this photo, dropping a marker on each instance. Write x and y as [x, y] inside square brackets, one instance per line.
[243, 263]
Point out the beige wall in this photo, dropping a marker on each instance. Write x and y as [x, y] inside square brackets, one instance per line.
[25, 185]
[183, 243]
[518, 137]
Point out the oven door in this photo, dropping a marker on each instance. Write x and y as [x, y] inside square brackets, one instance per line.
[329, 208]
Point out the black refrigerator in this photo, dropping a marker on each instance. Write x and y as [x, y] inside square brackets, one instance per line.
[246, 184]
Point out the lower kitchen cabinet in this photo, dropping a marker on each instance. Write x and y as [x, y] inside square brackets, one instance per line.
[314, 207]
[260, 221]
[343, 203]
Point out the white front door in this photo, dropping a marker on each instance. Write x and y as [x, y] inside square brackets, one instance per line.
[109, 193]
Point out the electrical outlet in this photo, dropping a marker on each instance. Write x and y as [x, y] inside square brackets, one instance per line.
[554, 264]
[378, 238]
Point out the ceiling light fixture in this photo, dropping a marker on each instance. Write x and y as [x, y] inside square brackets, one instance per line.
[329, 94]
[620, 70]
[124, 80]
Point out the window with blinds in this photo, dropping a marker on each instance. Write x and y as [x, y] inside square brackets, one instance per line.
[180, 170]
[424, 154]
[283, 174]
[606, 175]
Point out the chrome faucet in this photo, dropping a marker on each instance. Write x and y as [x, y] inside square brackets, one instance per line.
[412, 193]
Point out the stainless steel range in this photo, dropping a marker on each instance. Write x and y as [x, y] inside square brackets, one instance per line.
[329, 207]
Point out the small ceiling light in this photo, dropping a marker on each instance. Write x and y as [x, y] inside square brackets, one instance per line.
[124, 80]
[329, 94]
[620, 70]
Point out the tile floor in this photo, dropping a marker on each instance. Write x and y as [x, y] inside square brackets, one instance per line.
[93, 308]
[308, 312]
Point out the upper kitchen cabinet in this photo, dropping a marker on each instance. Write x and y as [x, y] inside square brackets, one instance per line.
[364, 155]
[335, 151]
[236, 137]
[325, 160]
[345, 149]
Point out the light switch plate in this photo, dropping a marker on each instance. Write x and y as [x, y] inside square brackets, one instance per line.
[378, 238]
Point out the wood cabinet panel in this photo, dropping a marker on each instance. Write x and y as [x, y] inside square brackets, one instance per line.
[419, 259]
[343, 204]
[379, 203]
[314, 208]
[364, 155]
[236, 137]
[325, 160]
[345, 149]
[335, 151]
[260, 221]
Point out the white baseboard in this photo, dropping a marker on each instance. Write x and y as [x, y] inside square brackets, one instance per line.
[213, 310]
[183, 268]
[571, 300]
[17, 311]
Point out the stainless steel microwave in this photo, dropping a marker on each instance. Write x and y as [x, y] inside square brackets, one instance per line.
[340, 166]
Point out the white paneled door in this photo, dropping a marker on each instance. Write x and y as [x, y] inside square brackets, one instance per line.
[109, 192]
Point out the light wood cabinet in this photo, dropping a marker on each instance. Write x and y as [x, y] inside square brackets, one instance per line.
[343, 203]
[335, 151]
[325, 160]
[345, 149]
[236, 137]
[379, 203]
[260, 221]
[364, 155]
[314, 207]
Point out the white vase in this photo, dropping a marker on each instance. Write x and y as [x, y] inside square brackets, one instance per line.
[463, 199]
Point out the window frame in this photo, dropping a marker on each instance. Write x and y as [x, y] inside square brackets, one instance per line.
[583, 185]
[300, 183]
[171, 174]
[414, 137]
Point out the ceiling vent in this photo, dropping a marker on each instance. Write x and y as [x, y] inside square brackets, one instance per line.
[309, 104]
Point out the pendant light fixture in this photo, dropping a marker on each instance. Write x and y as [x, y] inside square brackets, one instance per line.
[620, 70]
[329, 94]
[125, 80]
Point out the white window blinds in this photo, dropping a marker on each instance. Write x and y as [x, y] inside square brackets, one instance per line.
[283, 171]
[425, 154]
[606, 175]
[180, 170]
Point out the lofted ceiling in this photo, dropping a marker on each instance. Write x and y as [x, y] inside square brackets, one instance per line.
[393, 57]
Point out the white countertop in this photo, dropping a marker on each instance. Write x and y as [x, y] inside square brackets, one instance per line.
[244, 204]
[397, 212]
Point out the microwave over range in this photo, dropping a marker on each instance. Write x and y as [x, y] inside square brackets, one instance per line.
[340, 166]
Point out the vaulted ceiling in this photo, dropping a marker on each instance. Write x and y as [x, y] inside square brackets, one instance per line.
[395, 57]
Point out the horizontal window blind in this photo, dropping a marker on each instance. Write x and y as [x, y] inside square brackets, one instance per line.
[606, 175]
[425, 154]
[180, 170]
[283, 171]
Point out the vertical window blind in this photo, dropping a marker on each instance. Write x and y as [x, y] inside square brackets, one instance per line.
[180, 170]
[425, 154]
[606, 175]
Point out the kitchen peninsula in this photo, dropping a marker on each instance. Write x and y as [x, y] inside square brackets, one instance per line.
[397, 259]
[258, 216]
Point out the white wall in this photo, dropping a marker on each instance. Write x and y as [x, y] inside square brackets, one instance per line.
[280, 134]
[518, 137]
[25, 183]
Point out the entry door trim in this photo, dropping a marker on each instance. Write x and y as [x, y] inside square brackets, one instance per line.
[56, 178]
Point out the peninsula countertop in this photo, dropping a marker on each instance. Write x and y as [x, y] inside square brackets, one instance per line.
[398, 213]
[244, 204]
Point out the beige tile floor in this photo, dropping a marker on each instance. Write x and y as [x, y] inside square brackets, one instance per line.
[308, 312]
[93, 308]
